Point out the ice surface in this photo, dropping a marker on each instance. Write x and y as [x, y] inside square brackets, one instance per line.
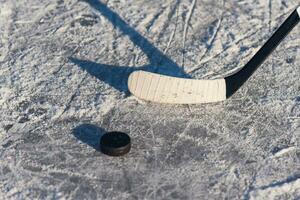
[64, 65]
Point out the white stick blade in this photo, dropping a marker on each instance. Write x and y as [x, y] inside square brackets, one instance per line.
[165, 89]
[298, 10]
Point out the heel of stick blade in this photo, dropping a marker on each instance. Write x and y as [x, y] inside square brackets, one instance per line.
[298, 10]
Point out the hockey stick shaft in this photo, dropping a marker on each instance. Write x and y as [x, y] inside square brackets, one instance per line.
[235, 81]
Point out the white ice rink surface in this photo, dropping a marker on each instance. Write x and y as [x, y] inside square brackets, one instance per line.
[64, 66]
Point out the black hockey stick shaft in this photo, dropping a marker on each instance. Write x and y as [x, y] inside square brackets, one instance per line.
[235, 81]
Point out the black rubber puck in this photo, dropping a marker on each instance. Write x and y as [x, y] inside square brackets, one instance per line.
[115, 143]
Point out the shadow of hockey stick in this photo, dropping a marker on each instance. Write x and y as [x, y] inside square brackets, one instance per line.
[117, 76]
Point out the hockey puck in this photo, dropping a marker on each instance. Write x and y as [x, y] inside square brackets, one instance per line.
[115, 143]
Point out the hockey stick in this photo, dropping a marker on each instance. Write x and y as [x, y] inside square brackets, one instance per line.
[166, 89]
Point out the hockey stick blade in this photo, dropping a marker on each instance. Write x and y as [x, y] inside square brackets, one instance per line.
[166, 89]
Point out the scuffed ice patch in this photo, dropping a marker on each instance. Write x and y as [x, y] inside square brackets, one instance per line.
[63, 72]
